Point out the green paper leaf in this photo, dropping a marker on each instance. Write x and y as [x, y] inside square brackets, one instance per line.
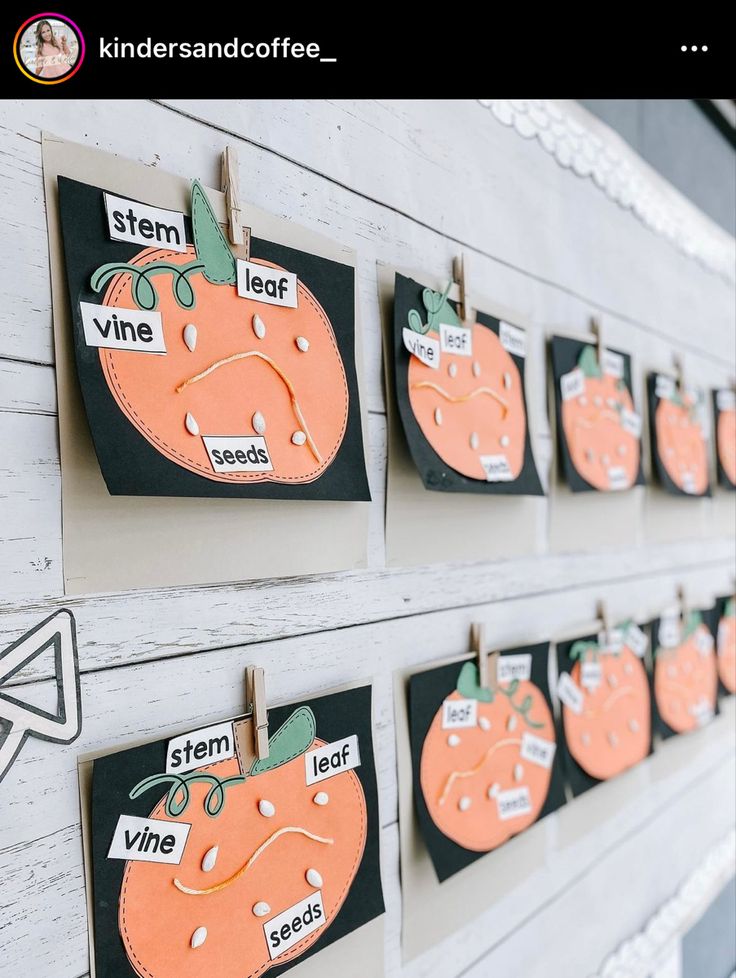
[588, 362]
[209, 241]
[730, 610]
[580, 649]
[293, 738]
[468, 684]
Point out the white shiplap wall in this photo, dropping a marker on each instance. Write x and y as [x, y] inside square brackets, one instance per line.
[409, 183]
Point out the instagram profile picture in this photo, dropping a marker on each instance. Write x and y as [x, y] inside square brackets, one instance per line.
[49, 48]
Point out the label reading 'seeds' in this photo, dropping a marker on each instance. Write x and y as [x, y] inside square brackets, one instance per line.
[496, 468]
[572, 384]
[264, 284]
[115, 328]
[200, 747]
[512, 803]
[422, 346]
[293, 925]
[325, 762]
[618, 478]
[459, 713]
[456, 339]
[238, 453]
[514, 667]
[127, 220]
[537, 750]
[512, 339]
[148, 840]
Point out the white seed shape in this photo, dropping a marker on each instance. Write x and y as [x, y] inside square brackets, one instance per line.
[199, 937]
[474, 441]
[621, 449]
[687, 668]
[634, 725]
[612, 402]
[259, 327]
[209, 859]
[261, 908]
[582, 400]
[494, 790]
[453, 740]
[612, 738]
[505, 441]
[452, 370]
[464, 803]
[259, 423]
[506, 379]
[628, 668]
[266, 808]
[585, 739]
[476, 369]
[484, 723]
[612, 680]
[321, 798]
[190, 423]
[437, 416]
[298, 438]
[598, 401]
[671, 671]
[605, 459]
[190, 336]
[590, 454]
[518, 772]
[302, 343]
[511, 723]
[313, 878]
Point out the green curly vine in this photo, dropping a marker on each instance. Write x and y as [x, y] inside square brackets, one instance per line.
[176, 804]
[468, 685]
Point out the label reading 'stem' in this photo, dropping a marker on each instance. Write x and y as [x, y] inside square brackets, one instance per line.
[264, 284]
[512, 339]
[422, 346]
[496, 468]
[513, 803]
[115, 328]
[572, 384]
[200, 747]
[612, 364]
[127, 220]
[664, 387]
[514, 667]
[570, 693]
[459, 713]
[537, 750]
[456, 339]
[238, 453]
[325, 762]
[148, 840]
[291, 926]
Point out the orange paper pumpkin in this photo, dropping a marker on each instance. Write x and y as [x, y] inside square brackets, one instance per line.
[258, 845]
[726, 646]
[465, 772]
[686, 678]
[604, 451]
[234, 367]
[726, 443]
[681, 446]
[613, 730]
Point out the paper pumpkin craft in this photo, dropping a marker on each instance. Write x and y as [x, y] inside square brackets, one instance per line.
[206, 375]
[724, 404]
[238, 865]
[484, 759]
[460, 395]
[678, 436]
[598, 426]
[685, 673]
[726, 643]
[605, 705]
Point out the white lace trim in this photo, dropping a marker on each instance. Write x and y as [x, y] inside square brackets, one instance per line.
[636, 957]
[582, 143]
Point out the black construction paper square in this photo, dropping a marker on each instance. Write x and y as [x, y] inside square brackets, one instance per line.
[723, 438]
[337, 716]
[426, 692]
[130, 463]
[580, 780]
[663, 476]
[565, 354]
[724, 619]
[435, 473]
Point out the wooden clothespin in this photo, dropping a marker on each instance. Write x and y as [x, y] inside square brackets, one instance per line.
[239, 234]
[682, 601]
[679, 365]
[604, 618]
[459, 275]
[255, 696]
[487, 661]
[597, 331]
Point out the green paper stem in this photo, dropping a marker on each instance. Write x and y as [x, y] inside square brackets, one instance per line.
[213, 800]
[209, 241]
[588, 362]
